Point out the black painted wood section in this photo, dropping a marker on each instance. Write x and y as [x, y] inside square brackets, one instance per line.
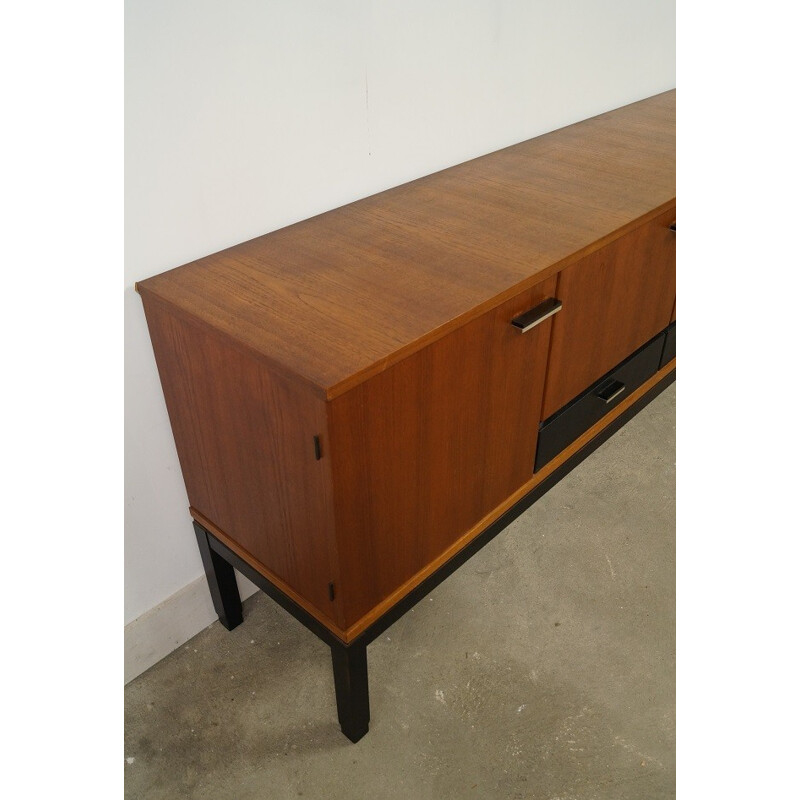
[221, 581]
[352, 689]
[669, 346]
[575, 418]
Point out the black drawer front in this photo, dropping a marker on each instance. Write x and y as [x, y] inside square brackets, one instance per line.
[669, 346]
[569, 422]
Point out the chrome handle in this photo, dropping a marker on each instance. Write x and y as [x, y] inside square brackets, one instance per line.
[610, 391]
[530, 319]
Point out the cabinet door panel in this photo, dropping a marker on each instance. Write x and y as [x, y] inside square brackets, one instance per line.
[615, 300]
[424, 450]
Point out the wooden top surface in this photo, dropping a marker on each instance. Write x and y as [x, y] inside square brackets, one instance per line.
[337, 298]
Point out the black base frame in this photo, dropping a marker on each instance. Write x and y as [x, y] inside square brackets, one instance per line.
[350, 660]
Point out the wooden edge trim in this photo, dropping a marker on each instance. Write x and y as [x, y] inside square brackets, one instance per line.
[268, 574]
[378, 611]
[528, 283]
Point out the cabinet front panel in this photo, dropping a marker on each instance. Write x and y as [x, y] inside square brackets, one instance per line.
[615, 300]
[245, 440]
[424, 450]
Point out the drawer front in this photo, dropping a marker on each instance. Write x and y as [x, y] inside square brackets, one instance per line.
[669, 346]
[615, 300]
[567, 424]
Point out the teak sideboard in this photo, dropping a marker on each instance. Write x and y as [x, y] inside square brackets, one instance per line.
[361, 400]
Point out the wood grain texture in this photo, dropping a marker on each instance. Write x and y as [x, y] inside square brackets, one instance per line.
[383, 327]
[428, 447]
[375, 613]
[244, 438]
[615, 300]
[336, 299]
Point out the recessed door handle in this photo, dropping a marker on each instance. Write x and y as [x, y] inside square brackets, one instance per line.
[610, 391]
[530, 319]
[672, 227]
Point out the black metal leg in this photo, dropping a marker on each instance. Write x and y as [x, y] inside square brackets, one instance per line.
[221, 582]
[352, 689]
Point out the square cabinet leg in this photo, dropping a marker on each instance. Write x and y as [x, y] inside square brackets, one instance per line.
[352, 689]
[221, 582]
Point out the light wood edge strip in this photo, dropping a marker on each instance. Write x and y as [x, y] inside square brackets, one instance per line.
[496, 300]
[268, 574]
[378, 611]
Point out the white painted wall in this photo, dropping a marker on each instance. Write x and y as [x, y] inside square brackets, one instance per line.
[244, 116]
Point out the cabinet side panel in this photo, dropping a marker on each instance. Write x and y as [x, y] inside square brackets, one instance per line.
[245, 440]
[424, 450]
[615, 300]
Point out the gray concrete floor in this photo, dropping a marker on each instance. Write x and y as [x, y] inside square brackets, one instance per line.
[543, 668]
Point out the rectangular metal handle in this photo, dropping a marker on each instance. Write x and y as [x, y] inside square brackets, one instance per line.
[610, 391]
[530, 319]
